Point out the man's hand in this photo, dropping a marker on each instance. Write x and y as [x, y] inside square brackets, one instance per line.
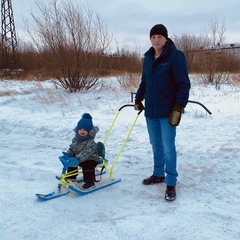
[138, 106]
[175, 116]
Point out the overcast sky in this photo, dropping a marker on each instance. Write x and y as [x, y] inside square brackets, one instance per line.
[131, 20]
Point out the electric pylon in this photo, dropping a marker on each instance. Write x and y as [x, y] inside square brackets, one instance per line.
[9, 48]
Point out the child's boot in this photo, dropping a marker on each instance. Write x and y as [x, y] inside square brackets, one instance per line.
[88, 176]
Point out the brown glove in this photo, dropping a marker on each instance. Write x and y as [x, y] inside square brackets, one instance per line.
[175, 116]
[138, 106]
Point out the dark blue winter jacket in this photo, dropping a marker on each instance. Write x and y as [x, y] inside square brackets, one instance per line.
[164, 81]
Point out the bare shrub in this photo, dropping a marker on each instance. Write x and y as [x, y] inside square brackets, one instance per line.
[71, 37]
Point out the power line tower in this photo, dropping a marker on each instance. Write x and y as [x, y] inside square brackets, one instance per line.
[9, 50]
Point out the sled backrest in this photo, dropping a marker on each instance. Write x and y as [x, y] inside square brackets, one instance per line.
[101, 149]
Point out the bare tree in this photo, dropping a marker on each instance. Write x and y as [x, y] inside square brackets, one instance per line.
[214, 60]
[72, 37]
[217, 32]
[190, 45]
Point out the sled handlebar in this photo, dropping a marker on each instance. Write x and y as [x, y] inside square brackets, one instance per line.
[208, 111]
[129, 105]
[200, 105]
[110, 171]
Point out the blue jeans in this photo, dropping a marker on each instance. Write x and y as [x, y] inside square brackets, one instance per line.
[162, 138]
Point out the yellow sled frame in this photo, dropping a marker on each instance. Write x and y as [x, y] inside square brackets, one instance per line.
[104, 162]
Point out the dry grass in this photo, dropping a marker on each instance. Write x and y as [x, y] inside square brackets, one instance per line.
[48, 96]
[236, 78]
[129, 81]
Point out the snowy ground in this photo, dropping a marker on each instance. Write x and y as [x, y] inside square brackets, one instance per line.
[36, 122]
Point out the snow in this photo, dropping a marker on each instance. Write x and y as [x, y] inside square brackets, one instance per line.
[36, 122]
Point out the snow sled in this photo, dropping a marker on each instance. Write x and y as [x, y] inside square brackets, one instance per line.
[65, 185]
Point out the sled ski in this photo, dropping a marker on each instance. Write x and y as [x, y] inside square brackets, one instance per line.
[62, 191]
[64, 185]
[54, 194]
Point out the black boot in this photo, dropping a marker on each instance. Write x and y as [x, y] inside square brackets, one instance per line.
[88, 186]
[88, 169]
[170, 193]
[153, 179]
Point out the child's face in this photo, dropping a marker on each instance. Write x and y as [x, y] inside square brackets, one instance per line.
[82, 132]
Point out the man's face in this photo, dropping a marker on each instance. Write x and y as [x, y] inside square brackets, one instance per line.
[158, 42]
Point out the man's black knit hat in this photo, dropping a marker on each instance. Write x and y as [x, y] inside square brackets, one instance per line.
[159, 29]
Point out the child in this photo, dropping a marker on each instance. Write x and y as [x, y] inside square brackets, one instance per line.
[84, 149]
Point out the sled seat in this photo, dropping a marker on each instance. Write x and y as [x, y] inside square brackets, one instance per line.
[101, 152]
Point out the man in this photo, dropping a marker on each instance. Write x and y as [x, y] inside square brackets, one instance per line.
[165, 87]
